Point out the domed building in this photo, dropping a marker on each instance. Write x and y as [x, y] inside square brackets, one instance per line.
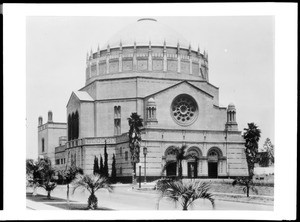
[150, 69]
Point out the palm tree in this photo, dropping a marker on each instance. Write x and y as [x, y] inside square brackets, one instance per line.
[92, 183]
[247, 184]
[46, 175]
[68, 175]
[180, 156]
[135, 123]
[184, 192]
[251, 136]
[32, 174]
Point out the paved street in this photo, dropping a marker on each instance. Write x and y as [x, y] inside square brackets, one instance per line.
[124, 198]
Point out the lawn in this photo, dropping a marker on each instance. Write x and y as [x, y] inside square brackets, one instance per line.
[60, 203]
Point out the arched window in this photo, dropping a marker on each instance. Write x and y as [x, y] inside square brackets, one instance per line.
[117, 120]
[76, 116]
[73, 126]
[43, 145]
[69, 127]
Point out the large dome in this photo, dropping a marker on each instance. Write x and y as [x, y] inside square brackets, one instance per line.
[145, 30]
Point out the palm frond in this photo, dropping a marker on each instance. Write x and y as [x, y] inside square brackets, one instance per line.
[91, 182]
[185, 193]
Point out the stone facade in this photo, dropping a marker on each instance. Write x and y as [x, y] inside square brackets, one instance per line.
[168, 86]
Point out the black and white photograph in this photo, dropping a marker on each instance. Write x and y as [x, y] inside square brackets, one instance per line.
[133, 109]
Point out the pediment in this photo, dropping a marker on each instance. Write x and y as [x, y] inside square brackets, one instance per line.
[80, 96]
[182, 84]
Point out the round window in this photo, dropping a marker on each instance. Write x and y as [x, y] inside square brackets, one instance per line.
[184, 109]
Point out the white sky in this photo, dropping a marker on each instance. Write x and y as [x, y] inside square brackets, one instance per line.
[240, 51]
[241, 54]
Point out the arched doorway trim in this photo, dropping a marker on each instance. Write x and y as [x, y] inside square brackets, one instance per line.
[214, 154]
[216, 150]
[193, 153]
[171, 161]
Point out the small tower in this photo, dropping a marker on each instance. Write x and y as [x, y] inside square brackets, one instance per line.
[50, 115]
[231, 124]
[98, 52]
[91, 54]
[40, 120]
[151, 112]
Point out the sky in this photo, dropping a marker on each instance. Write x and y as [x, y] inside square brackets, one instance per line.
[240, 52]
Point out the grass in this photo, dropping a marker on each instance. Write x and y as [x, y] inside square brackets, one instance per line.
[75, 206]
[251, 199]
[60, 203]
[228, 188]
[43, 198]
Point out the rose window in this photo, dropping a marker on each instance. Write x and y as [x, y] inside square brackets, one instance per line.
[184, 109]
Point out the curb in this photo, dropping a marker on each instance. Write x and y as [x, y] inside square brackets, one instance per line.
[32, 205]
[259, 203]
[242, 195]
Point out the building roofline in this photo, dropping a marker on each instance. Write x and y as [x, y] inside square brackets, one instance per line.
[177, 84]
[146, 77]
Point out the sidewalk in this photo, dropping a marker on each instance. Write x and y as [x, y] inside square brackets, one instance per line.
[33, 205]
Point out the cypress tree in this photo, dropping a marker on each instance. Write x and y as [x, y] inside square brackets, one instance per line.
[113, 170]
[101, 171]
[105, 168]
[96, 166]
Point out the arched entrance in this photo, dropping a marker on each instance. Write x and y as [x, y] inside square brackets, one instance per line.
[171, 162]
[213, 156]
[171, 169]
[193, 155]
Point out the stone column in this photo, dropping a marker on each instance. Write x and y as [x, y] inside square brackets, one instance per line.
[165, 57]
[199, 169]
[107, 59]
[184, 168]
[150, 58]
[178, 58]
[205, 168]
[97, 62]
[190, 59]
[134, 65]
[163, 163]
[120, 58]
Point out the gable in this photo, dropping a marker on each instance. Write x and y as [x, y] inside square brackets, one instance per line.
[181, 84]
[80, 96]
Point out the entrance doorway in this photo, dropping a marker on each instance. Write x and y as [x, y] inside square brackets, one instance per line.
[192, 169]
[171, 169]
[212, 169]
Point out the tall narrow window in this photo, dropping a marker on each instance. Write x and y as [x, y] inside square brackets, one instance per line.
[76, 116]
[126, 156]
[73, 126]
[117, 120]
[69, 127]
[43, 145]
